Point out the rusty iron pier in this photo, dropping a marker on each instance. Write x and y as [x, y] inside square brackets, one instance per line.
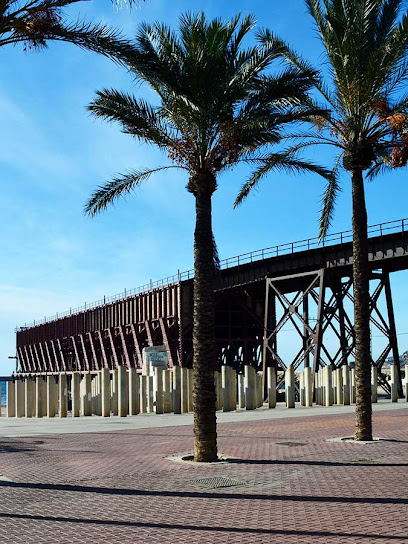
[305, 284]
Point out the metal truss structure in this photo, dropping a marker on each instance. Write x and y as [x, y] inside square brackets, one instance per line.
[308, 286]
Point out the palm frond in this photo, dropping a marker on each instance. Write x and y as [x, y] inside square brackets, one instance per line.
[329, 199]
[285, 161]
[118, 187]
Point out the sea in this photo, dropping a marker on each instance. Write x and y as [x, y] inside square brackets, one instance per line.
[3, 393]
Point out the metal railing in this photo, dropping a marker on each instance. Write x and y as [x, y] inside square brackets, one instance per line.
[399, 225]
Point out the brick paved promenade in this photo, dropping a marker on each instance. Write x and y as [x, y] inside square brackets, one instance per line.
[295, 487]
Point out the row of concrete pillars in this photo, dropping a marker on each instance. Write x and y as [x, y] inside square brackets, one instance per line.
[123, 392]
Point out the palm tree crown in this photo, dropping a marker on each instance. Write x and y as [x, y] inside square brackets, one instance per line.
[216, 107]
[365, 42]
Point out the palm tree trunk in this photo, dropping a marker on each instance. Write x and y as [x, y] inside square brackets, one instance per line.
[363, 421]
[204, 396]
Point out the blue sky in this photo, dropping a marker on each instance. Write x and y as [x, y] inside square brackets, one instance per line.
[53, 155]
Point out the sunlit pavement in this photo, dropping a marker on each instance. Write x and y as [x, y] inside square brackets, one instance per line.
[284, 481]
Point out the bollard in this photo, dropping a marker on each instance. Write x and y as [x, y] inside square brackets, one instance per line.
[85, 396]
[134, 392]
[374, 378]
[249, 381]
[184, 390]
[352, 385]
[346, 384]
[123, 392]
[394, 386]
[308, 387]
[339, 386]
[114, 393]
[167, 392]
[176, 389]
[143, 394]
[241, 391]
[98, 393]
[271, 383]
[105, 392]
[158, 390]
[290, 387]
[328, 385]
[63, 395]
[51, 394]
[190, 389]
[11, 400]
[316, 387]
[75, 394]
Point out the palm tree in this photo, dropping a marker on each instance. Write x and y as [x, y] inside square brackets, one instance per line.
[365, 44]
[216, 107]
[36, 22]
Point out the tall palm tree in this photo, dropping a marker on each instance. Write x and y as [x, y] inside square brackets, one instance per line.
[365, 44]
[35, 22]
[216, 107]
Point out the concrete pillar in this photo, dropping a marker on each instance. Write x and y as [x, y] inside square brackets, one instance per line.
[406, 383]
[123, 391]
[51, 394]
[250, 390]
[218, 389]
[19, 397]
[241, 391]
[271, 384]
[290, 387]
[85, 396]
[339, 386]
[334, 379]
[143, 394]
[327, 385]
[308, 386]
[352, 385]
[316, 387]
[29, 397]
[150, 394]
[63, 395]
[346, 385]
[233, 388]
[158, 390]
[98, 392]
[394, 383]
[190, 389]
[105, 392]
[184, 390]
[114, 393]
[302, 389]
[226, 388]
[75, 394]
[134, 392]
[56, 396]
[259, 390]
[11, 399]
[167, 392]
[176, 389]
[374, 376]
[40, 397]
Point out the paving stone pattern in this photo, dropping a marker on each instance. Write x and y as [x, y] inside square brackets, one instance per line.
[118, 487]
